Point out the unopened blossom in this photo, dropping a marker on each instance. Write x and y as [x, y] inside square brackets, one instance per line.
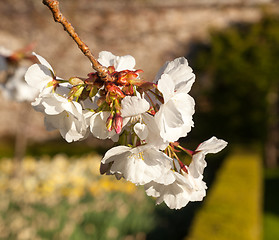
[139, 165]
[188, 184]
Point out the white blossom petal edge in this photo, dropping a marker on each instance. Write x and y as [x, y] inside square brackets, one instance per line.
[212, 145]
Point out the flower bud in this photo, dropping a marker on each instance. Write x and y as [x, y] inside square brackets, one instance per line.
[118, 123]
[75, 81]
[109, 123]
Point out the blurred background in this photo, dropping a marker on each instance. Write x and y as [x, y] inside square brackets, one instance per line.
[50, 189]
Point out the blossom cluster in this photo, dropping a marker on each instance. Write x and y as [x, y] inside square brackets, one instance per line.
[146, 120]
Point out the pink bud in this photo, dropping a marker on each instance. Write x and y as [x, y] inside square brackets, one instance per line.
[118, 123]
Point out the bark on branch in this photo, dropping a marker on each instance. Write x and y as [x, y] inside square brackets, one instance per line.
[53, 5]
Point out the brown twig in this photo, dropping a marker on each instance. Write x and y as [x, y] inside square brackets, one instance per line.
[53, 5]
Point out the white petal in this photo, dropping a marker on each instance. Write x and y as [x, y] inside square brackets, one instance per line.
[113, 154]
[72, 107]
[175, 195]
[154, 138]
[120, 63]
[52, 104]
[198, 164]
[89, 104]
[166, 87]
[141, 130]
[125, 63]
[98, 126]
[174, 117]
[68, 126]
[37, 105]
[133, 106]
[212, 145]
[38, 76]
[17, 89]
[43, 61]
[106, 58]
[180, 73]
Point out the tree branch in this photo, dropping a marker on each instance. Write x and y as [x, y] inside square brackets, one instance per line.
[53, 5]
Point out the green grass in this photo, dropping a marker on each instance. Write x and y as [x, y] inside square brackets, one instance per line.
[233, 208]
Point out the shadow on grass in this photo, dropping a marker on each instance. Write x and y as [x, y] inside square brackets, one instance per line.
[271, 207]
[175, 224]
[271, 198]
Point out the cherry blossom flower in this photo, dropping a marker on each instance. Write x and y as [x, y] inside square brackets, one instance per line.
[174, 117]
[60, 113]
[180, 192]
[139, 165]
[188, 184]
